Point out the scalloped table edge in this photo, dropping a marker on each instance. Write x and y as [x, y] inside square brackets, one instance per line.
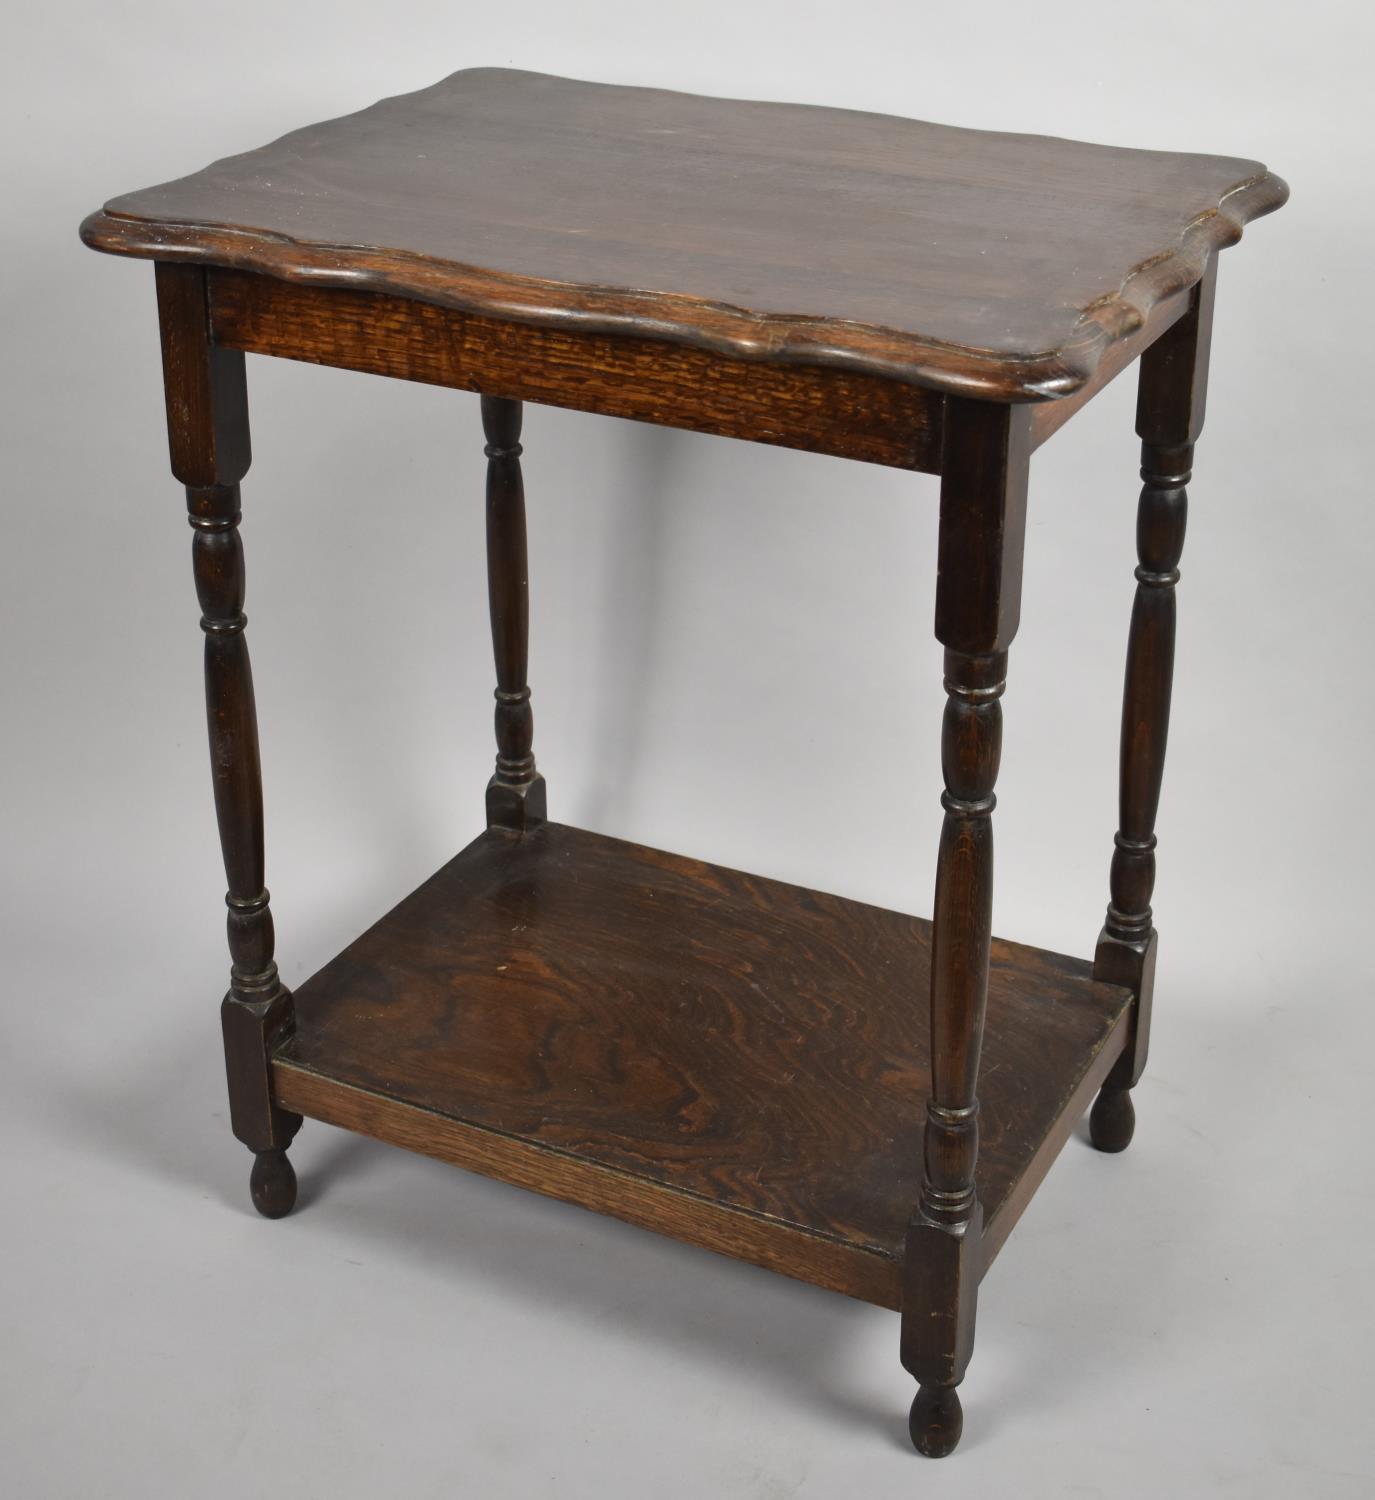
[734, 331]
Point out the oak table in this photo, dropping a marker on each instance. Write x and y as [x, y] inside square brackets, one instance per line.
[742, 1064]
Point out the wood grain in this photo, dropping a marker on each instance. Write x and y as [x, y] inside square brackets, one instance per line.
[785, 1248]
[600, 1022]
[1172, 395]
[838, 412]
[207, 427]
[974, 262]
[984, 464]
[741, 1064]
[516, 795]
[1048, 417]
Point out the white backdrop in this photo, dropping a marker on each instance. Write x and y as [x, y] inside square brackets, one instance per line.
[1187, 1318]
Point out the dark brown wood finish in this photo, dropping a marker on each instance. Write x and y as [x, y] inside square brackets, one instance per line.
[740, 1064]
[975, 262]
[1048, 417]
[581, 1012]
[516, 793]
[978, 607]
[1169, 417]
[830, 411]
[207, 424]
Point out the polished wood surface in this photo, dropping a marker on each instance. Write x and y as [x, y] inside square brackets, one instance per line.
[690, 1032]
[744, 1065]
[838, 412]
[1171, 399]
[984, 463]
[1048, 417]
[516, 793]
[207, 425]
[972, 261]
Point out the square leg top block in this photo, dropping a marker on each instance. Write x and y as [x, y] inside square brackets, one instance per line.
[973, 262]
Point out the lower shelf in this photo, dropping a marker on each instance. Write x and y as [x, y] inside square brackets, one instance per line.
[732, 1061]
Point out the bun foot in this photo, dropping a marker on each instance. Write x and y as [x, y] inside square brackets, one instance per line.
[273, 1184]
[936, 1420]
[1112, 1120]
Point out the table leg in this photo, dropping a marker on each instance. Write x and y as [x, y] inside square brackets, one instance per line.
[983, 508]
[515, 794]
[207, 416]
[1169, 418]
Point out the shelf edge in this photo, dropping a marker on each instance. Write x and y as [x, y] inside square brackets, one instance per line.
[855, 1270]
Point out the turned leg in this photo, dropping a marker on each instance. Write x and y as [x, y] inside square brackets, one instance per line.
[207, 415]
[983, 501]
[1169, 417]
[515, 794]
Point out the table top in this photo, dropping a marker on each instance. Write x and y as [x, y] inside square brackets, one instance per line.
[971, 261]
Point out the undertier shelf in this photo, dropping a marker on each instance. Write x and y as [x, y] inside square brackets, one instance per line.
[736, 1062]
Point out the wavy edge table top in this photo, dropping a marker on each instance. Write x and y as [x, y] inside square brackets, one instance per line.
[972, 262]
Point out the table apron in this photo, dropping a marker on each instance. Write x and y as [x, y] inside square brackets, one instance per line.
[818, 409]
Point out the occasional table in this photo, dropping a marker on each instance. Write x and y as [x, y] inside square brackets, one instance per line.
[742, 1064]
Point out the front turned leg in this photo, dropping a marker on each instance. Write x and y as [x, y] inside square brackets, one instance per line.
[1169, 418]
[257, 1011]
[208, 426]
[944, 1233]
[515, 794]
[983, 499]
